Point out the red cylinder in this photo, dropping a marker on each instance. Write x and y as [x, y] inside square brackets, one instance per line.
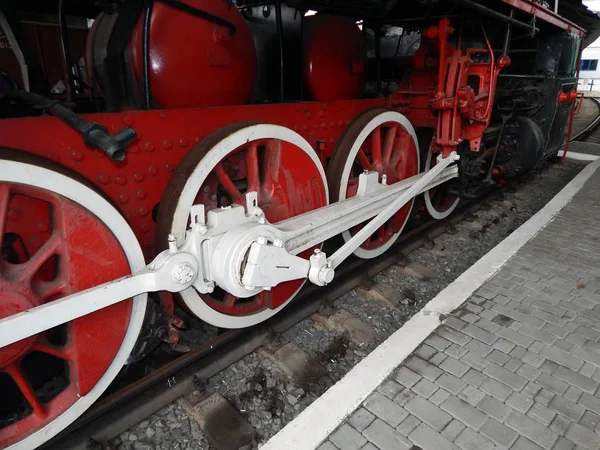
[335, 58]
[193, 62]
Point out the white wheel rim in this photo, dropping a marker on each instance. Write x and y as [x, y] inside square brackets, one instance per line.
[182, 212]
[431, 210]
[17, 172]
[388, 116]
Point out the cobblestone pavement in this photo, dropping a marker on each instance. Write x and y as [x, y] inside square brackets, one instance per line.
[517, 367]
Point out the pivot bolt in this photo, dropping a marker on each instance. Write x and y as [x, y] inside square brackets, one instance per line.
[183, 273]
[326, 275]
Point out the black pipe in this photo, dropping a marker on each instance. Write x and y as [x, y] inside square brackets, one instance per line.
[146, 54]
[496, 15]
[64, 46]
[279, 21]
[202, 14]
[378, 56]
[94, 135]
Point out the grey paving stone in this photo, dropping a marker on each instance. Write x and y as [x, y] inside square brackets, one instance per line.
[455, 322]
[437, 342]
[494, 408]
[531, 389]
[438, 358]
[423, 368]
[425, 388]
[573, 394]
[328, 446]
[439, 397]
[498, 433]
[390, 388]
[590, 420]
[536, 347]
[368, 446]
[532, 429]
[571, 377]
[532, 359]
[479, 347]
[552, 383]
[498, 357]
[587, 370]
[518, 351]
[560, 424]
[538, 335]
[361, 419]
[496, 389]
[567, 408]
[549, 366]
[504, 345]
[474, 377]
[480, 334]
[563, 444]
[505, 376]
[471, 440]
[425, 351]
[471, 395]
[408, 425]
[519, 402]
[513, 364]
[406, 377]
[464, 412]
[404, 397]
[347, 438]
[428, 413]
[529, 372]
[451, 383]
[475, 360]
[428, 438]
[561, 357]
[385, 409]
[541, 413]
[584, 437]
[454, 366]
[590, 402]
[453, 335]
[456, 351]
[453, 429]
[385, 437]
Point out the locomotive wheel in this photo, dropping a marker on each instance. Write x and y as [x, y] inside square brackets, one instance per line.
[377, 140]
[271, 160]
[59, 237]
[439, 202]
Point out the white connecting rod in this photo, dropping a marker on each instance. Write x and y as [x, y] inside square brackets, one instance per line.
[172, 272]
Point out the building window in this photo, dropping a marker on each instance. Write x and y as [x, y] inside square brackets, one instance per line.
[589, 64]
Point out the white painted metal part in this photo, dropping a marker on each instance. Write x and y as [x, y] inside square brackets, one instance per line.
[433, 212]
[17, 172]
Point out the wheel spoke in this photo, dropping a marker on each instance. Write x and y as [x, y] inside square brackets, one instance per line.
[4, 199]
[364, 161]
[229, 300]
[51, 350]
[27, 390]
[48, 289]
[228, 185]
[252, 167]
[376, 146]
[273, 164]
[28, 270]
[389, 143]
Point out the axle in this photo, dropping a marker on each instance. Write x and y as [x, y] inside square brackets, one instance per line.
[241, 252]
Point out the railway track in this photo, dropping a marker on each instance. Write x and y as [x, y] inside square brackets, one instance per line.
[124, 407]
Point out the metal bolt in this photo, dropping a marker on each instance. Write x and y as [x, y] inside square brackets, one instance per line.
[278, 243]
[317, 251]
[326, 275]
[262, 240]
[172, 243]
[183, 273]
[262, 220]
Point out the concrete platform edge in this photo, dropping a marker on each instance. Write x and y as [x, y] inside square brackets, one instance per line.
[324, 415]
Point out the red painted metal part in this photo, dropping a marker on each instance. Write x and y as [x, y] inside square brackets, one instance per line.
[136, 185]
[545, 14]
[195, 63]
[74, 252]
[335, 58]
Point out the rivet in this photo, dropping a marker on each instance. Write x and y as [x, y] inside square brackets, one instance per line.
[183, 142]
[141, 194]
[138, 177]
[167, 144]
[152, 170]
[13, 214]
[332, 124]
[123, 198]
[169, 167]
[145, 228]
[43, 227]
[147, 243]
[149, 146]
[128, 120]
[308, 115]
[121, 179]
[76, 155]
[340, 123]
[103, 178]
[34, 242]
[163, 115]
[143, 211]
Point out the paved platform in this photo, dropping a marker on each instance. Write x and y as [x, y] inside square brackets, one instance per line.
[506, 357]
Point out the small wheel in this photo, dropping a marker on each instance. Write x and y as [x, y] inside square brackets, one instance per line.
[271, 160]
[378, 140]
[439, 201]
[60, 237]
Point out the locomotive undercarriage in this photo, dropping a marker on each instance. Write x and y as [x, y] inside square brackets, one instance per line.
[217, 175]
